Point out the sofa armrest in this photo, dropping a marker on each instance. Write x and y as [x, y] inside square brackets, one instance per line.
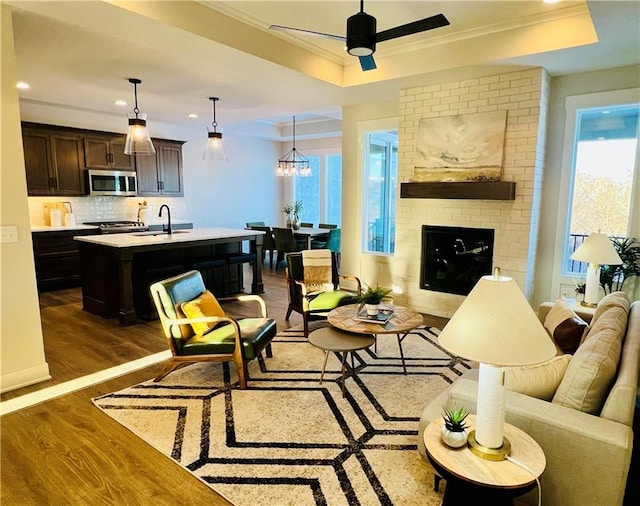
[580, 448]
[583, 312]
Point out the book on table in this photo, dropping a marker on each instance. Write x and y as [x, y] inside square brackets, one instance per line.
[381, 317]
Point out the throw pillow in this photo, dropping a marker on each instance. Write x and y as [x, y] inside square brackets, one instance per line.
[205, 305]
[539, 380]
[613, 300]
[565, 326]
[590, 373]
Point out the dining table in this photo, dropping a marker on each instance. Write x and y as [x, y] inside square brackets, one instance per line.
[309, 233]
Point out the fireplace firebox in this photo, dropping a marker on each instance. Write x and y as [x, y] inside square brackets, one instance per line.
[455, 258]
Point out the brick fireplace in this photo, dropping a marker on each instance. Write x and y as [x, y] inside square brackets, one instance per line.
[525, 95]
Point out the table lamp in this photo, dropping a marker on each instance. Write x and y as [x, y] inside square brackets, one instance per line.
[596, 250]
[495, 326]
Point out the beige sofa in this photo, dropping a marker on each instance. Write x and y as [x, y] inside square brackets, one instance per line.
[588, 455]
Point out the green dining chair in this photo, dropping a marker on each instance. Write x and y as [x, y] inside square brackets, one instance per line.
[327, 225]
[306, 225]
[285, 243]
[268, 243]
[251, 224]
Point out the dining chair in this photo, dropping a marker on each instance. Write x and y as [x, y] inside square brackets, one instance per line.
[327, 225]
[198, 330]
[251, 224]
[331, 242]
[268, 243]
[306, 225]
[285, 243]
[315, 304]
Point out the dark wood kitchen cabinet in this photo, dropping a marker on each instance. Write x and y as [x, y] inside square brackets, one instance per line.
[161, 174]
[107, 152]
[57, 258]
[54, 162]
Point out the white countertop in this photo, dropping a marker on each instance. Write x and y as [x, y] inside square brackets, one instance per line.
[47, 228]
[132, 240]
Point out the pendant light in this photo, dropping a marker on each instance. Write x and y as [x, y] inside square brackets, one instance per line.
[138, 139]
[293, 163]
[215, 146]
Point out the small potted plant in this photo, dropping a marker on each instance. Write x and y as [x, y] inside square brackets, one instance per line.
[454, 429]
[287, 209]
[371, 298]
[296, 207]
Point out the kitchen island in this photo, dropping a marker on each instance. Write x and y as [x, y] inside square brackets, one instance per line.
[117, 269]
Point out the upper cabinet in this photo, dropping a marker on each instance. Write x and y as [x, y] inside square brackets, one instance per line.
[105, 151]
[56, 159]
[54, 162]
[161, 174]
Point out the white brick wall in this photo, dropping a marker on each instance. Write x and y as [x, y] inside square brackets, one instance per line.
[525, 96]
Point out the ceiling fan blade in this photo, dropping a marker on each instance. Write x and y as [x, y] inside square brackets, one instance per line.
[422, 25]
[367, 62]
[309, 33]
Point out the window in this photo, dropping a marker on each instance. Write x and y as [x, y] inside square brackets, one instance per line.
[604, 170]
[380, 167]
[321, 193]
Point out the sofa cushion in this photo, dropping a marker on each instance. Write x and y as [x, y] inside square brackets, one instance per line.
[565, 326]
[591, 372]
[539, 380]
[205, 305]
[612, 312]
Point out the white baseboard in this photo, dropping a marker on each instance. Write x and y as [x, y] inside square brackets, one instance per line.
[24, 377]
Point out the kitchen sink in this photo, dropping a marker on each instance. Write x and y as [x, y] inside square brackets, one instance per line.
[159, 232]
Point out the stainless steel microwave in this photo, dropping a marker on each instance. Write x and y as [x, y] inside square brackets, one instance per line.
[113, 182]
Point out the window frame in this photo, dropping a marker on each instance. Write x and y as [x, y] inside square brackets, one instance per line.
[561, 279]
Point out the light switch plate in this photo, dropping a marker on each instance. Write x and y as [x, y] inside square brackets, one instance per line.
[9, 234]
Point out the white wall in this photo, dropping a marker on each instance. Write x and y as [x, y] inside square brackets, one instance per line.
[22, 360]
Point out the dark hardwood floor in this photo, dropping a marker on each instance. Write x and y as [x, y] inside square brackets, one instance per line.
[65, 451]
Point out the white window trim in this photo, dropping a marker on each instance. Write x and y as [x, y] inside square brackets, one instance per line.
[365, 127]
[572, 105]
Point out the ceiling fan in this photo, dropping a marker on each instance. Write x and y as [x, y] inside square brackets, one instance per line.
[361, 36]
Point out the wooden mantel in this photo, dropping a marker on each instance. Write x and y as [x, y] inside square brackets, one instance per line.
[497, 190]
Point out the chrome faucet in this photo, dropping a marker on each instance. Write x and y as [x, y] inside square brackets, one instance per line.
[163, 206]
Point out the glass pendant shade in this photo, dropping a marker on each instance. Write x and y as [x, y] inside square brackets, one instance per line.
[138, 139]
[214, 149]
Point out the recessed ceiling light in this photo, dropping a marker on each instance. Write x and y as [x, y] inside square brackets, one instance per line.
[120, 103]
[192, 115]
[21, 85]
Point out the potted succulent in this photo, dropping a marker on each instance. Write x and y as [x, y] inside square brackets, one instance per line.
[371, 298]
[454, 430]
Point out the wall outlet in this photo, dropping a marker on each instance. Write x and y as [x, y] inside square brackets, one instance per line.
[9, 234]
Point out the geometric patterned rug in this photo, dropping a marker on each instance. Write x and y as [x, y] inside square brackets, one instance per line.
[289, 440]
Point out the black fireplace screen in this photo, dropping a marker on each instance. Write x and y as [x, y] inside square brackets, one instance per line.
[455, 258]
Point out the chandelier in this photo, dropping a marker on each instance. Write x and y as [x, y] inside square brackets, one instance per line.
[293, 163]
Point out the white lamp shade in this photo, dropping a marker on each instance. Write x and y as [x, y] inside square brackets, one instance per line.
[138, 140]
[496, 325]
[597, 249]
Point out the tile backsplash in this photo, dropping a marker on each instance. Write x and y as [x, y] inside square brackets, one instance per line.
[109, 208]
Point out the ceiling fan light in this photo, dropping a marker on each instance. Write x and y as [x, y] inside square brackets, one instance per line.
[361, 34]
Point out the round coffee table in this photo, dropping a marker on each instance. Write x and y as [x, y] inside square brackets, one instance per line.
[471, 479]
[403, 321]
[332, 339]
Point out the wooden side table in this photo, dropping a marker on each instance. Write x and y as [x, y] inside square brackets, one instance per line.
[403, 321]
[473, 479]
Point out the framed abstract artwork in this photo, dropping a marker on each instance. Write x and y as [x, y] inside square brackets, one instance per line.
[464, 147]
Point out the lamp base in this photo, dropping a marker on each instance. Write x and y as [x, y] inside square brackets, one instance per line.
[588, 304]
[495, 454]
